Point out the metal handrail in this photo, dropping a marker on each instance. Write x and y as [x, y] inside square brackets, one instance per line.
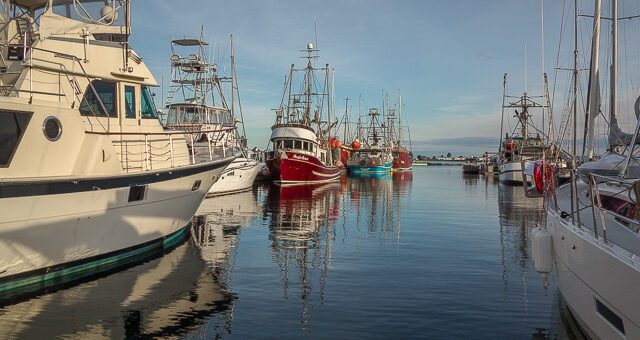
[147, 145]
[159, 133]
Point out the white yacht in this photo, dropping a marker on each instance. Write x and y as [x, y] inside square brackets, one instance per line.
[88, 176]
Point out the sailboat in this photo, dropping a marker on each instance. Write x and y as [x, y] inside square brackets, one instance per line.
[592, 224]
[196, 101]
[90, 179]
[301, 153]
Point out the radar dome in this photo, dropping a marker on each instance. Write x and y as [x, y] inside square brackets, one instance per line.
[108, 14]
[309, 46]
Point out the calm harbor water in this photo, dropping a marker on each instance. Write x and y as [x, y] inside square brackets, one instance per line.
[429, 254]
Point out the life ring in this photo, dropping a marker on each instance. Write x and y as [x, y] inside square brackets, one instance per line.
[362, 162]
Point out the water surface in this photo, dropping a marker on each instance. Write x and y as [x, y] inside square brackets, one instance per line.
[429, 254]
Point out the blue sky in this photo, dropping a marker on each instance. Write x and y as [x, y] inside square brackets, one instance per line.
[446, 57]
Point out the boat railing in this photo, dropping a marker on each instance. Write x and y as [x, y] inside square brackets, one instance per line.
[164, 148]
[629, 221]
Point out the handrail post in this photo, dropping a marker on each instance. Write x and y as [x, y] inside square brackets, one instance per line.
[604, 226]
[171, 147]
[193, 150]
[146, 151]
[209, 144]
[30, 67]
[593, 206]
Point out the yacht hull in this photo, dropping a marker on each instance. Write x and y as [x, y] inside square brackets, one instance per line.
[54, 231]
[293, 168]
[598, 285]
[238, 176]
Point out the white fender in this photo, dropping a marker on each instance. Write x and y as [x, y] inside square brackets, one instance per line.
[542, 250]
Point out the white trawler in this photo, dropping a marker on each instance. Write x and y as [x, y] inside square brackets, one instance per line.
[520, 147]
[196, 101]
[89, 179]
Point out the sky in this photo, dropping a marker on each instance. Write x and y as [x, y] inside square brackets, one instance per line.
[447, 58]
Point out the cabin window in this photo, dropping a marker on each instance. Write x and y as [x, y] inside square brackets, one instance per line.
[148, 110]
[90, 105]
[172, 116]
[305, 146]
[288, 144]
[130, 101]
[298, 144]
[12, 126]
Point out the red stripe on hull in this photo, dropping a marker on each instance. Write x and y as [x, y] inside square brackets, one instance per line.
[300, 168]
[402, 160]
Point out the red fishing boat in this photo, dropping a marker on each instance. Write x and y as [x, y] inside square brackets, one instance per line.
[301, 151]
[402, 157]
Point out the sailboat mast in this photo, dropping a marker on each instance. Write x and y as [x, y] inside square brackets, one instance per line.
[614, 70]
[594, 80]
[233, 84]
[575, 81]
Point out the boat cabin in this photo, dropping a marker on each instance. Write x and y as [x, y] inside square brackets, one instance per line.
[196, 114]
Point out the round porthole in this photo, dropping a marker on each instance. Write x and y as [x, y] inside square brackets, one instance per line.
[52, 128]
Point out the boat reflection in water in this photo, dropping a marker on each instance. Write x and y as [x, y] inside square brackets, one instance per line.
[301, 231]
[219, 220]
[172, 295]
[518, 216]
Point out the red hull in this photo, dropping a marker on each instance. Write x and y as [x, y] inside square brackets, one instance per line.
[298, 168]
[402, 159]
[344, 154]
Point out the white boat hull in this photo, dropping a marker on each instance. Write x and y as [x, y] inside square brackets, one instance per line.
[511, 173]
[238, 176]
[598, 284]
[49, 229]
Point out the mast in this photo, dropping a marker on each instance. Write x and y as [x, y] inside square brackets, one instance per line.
[233, 112]
[329, 103]
[614, 64]
[504, 95]
[616, 135]
[399, 117]
[346, 119]
[307, 109]
[388, 128]
[575, 84]
[594, 80]
[359, 137]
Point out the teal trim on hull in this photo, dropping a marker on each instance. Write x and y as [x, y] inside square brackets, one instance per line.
[63, 274]
[377, 169]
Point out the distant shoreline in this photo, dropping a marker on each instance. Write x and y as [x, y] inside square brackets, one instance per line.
[429, 163]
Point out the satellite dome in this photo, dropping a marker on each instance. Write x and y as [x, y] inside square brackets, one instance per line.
[108, 14]
[309, 46]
